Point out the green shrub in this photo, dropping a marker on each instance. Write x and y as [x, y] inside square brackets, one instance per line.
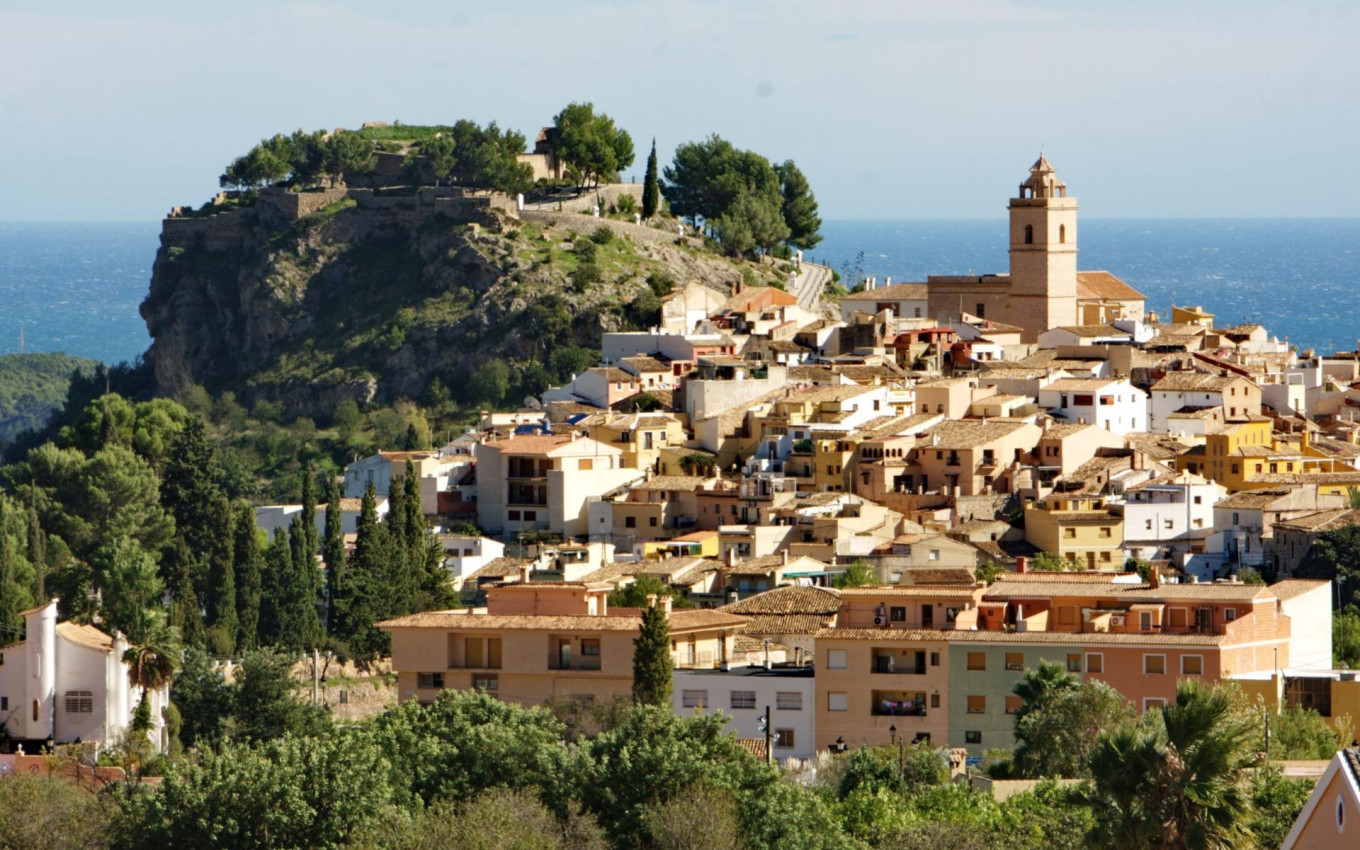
[602, 236]
[626, 204]
[585, 249]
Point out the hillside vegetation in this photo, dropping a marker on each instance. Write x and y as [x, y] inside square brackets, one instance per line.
[32, 386]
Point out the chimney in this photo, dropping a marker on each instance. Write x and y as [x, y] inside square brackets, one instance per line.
[666, 603]
[1154, 577]
[784, 557]
[651, 600]
[887, 281]
[1021, 565]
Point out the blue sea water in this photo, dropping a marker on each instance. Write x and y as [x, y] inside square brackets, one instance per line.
[76, 287]
[1298, 277]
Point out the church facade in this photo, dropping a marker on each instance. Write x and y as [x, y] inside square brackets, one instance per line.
[1043, 289]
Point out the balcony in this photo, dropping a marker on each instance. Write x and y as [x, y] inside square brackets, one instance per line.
[586, 663]
[899, 663]
[898, 704]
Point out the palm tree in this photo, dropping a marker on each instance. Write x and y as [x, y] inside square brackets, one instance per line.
[151, 665]
[1177, 784]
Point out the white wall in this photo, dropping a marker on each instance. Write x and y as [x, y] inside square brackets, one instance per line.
[1310, 629]
[744, 722]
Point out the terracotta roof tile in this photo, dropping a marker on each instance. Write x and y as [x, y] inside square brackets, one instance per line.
[1102, 284]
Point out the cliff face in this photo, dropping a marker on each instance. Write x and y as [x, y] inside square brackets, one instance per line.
[375, 301]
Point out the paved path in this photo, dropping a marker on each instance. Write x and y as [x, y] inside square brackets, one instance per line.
[807, 287]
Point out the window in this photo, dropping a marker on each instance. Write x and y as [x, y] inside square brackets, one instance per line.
[585, 463]
[1229, 614]
[1104, 531]
[1147, 525]
[693, 699]
[835, 701]
[1015, 661]
[835, 659]
[590, 646]
[934, 659]
[35, 711]
[972, 737]
[1154, 665]
[898, 614]
[1192, 665]
[4, 703]
[1167, 524]
[783, 739]
[743, 699]
[1074, 662]
[1029, 234]
[977, 661]
[1069, 533]
[935, 699]
[513, 516]
[1145, 621]
[1178, 618]
[977, 705]
[934, 554]
[1013, 704]
[1095, 662]
[1153, 704]
[651, 521]
[788, 701]
[489, 682]
[429, 680]
[1199, 500]
[1062, 234]
[79, 702]
[630, 522]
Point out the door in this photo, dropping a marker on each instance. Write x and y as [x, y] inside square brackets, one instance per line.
[564, 654]
[927, 616]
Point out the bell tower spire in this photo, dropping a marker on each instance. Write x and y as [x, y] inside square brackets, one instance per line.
[1043, 231]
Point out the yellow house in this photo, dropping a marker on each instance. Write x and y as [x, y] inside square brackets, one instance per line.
[696, 544]
[640, 436]
[1077, 528]
[1332, 810]
[537, 641]
[1247, 456]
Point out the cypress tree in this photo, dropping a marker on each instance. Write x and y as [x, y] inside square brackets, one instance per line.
[651, 189]
[358, 606]
[278, 563]
[309, 506]
[222, 613]
[333, 552]
[652, 664]
[246, 558]
[413, 528]
[299, 625]
[397, 555]
[178, 567]
[37, 554]
[188, 490]
[10, 602]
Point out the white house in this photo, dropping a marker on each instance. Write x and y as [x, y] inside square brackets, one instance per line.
[435, 469]
[744, 692]
[67, 682]
[1235, 395]
[465, 555]
[271, 517]
[1110, 403]
[1171, 513]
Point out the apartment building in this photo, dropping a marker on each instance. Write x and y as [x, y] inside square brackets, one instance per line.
[1079, 528]
[536, 641]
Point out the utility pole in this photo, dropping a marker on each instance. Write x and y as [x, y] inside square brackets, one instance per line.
[316, 682]
[765, 727]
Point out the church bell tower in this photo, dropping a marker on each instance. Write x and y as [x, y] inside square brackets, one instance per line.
[1043, 280]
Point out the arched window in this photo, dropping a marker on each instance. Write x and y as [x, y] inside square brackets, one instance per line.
[1062, 234]
[1029, 234]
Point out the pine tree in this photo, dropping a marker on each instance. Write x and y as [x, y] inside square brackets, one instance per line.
[37, 555]
[222, 613]
[413, 528]
[188, 490]
[246, 558]
[651, 189]
[333, 552]
[652, 664]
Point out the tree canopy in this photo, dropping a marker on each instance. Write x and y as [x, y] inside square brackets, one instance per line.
[589, 143]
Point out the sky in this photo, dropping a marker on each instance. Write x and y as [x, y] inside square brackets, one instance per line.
[913, 109]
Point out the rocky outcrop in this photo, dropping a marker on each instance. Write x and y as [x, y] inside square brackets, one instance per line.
[373, 301]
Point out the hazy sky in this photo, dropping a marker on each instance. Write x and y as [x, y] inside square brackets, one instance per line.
[906, 109]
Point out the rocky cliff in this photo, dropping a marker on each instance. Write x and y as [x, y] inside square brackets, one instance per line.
[375, 295]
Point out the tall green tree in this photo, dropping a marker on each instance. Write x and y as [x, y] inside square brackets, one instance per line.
[361, 601]
[223, 617]
[12, 596]
[308, 500]
[333, 552]
[652, 665]
[799, 207]
[37, 556]
[130, 588]
[651, 186]
[590, 143]
[348, 154]
[398, 559]
[179, 566]
[1178, 780]
[246, 564]
[1056, 733]
[299, 623]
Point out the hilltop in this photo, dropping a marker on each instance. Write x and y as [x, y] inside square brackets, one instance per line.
[312, 298]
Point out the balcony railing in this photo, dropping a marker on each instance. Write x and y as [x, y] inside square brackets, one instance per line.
[888, 708]
[587, 663]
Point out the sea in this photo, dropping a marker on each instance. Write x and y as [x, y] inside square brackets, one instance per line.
[76, 287]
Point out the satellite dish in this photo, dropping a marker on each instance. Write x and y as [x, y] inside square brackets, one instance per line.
[532, 403]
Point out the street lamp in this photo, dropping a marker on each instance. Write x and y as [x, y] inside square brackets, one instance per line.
[892, 733]
[839, 747]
